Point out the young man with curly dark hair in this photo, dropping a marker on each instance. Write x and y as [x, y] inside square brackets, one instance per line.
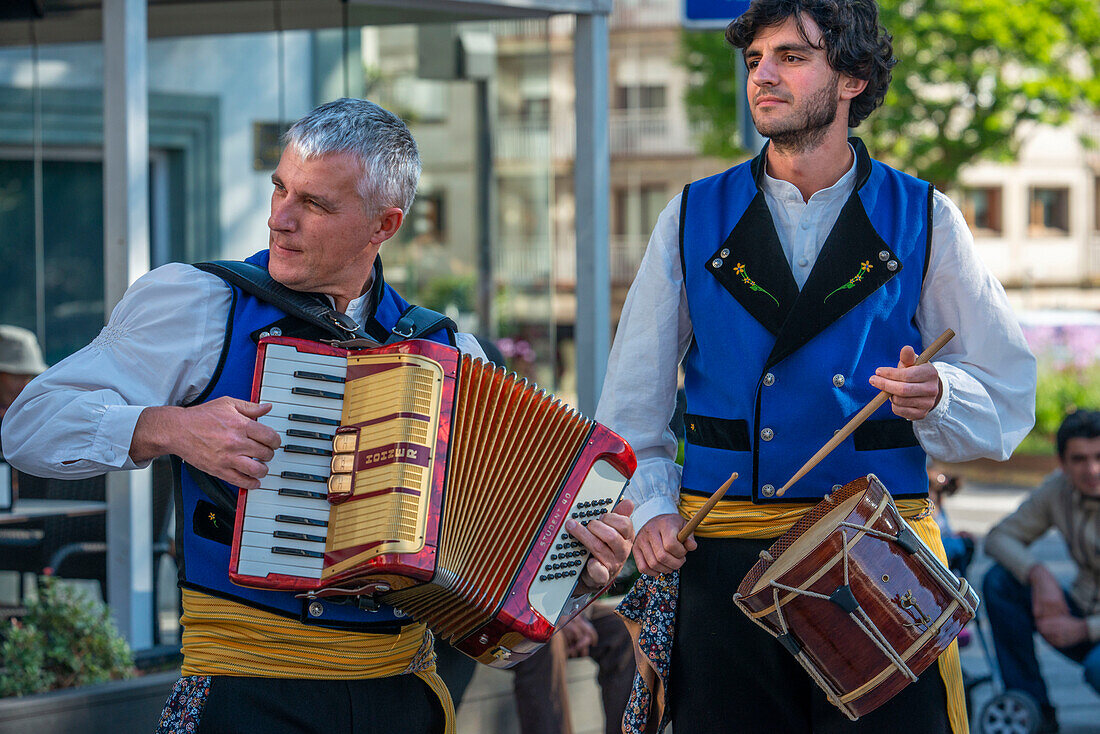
[788, 288]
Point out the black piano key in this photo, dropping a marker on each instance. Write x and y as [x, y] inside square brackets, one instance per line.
[291, 448]
[315, 393]
[296, 520]
[303, 375]
[299, 433]
[297, 552]
[298, 536]
[303, 418]
[301, 476]
[305, 494]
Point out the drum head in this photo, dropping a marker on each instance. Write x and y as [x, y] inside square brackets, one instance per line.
[812, 530]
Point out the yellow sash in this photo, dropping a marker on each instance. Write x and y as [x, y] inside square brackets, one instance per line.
[221, 637]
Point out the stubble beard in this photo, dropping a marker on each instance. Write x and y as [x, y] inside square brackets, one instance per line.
[807, 130]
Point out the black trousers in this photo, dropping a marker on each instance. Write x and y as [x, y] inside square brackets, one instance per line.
[402, 704]
[728, 675]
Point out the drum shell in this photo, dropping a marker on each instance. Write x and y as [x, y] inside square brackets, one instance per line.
[895, 589]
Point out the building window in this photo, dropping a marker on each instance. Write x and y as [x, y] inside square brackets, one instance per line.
[1048, 211]
[982, 209]
[640, 97]
[636, 209]
[427, 218]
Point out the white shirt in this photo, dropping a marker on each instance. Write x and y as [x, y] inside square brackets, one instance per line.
[987, 371]
[160, 347]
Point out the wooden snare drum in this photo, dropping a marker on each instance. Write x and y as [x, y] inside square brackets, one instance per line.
[857, 597]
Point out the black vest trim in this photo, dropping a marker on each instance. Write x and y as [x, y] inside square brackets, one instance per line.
[928, 240]
[755, 271]
[717, 433]
[224, 353]
[892, 433]
[683, 219]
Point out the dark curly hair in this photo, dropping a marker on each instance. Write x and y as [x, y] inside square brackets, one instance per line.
[855, 43]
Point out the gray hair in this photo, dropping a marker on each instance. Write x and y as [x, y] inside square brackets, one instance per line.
[378, 138]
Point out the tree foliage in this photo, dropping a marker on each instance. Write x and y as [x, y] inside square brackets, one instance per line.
[970, 74]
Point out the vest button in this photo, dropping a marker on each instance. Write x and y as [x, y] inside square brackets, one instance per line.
[837, 487]
[767, 490]
[769, 380]
[264, 334]
[716, 262]
[725, 252]
[884, 255]
[892, 265]
[838, 380]
[316, 609]
[767, 434]
[276, 331]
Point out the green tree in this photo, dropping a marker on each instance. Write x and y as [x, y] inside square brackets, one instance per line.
[970, 73]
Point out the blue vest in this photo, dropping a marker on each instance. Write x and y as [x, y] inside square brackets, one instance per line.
[204, 531]
[773, 371]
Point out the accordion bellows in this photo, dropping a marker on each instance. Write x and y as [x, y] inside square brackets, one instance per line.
[449, 483]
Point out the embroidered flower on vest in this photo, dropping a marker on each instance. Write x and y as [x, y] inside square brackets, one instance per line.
[740, 270]
[864, 267]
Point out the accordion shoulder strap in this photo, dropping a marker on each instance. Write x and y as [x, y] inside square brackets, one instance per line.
[257, 281]
[418, 322]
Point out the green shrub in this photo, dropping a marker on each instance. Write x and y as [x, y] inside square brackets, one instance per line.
[66, 639]
[1061, 389]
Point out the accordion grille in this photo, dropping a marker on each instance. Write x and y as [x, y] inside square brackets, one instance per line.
[513, 445]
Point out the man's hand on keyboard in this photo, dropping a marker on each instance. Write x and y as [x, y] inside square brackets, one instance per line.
[608, 538]
[221, 437]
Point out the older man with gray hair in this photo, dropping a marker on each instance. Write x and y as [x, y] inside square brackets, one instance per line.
[171, 373]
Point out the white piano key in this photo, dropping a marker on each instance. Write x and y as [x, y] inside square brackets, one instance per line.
[302, 403]
[270, 525]
[270, 560]
[278, 355]
[268, 503]
[262, 569]
[267, 540]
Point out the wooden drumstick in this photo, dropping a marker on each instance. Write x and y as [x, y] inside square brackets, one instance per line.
[697, 518]
[862, 415]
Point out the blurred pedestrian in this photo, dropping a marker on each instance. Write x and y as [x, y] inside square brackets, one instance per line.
[1022, 595]
[20, 362]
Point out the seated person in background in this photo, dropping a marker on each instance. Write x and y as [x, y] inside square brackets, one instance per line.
[1022, 595]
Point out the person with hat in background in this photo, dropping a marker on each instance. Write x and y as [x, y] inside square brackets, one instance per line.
[20, 362]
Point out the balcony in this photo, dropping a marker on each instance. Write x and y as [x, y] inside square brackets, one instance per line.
[530, 262]
[637, 14]
[650, 133]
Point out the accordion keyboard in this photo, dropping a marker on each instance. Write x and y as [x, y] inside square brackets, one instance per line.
[286, 519]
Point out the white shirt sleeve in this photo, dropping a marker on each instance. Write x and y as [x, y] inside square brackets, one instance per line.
[987, 371]
[160, 347]
[639, 392]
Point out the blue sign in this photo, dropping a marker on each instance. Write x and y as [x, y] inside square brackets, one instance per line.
[712, 13]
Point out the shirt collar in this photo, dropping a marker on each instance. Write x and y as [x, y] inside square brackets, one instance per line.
[787, 191]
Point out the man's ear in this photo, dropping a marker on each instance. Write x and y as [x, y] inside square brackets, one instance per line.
[389, 221]
[850, 87]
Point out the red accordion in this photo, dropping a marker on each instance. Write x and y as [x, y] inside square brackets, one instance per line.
[433, 481]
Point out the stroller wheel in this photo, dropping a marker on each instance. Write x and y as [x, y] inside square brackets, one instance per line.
[1011, 712]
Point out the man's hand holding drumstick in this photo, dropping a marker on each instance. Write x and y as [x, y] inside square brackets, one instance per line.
[914, 388]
